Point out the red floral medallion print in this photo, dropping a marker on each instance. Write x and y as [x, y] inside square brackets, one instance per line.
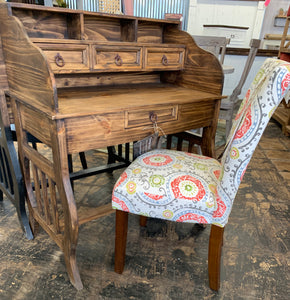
[157, 160]
[122, 178]
[154, 197]
[217, 173]
[120, 203]
[187, 187]
[285, 82]
[242, 109]
[245, 126]
[220, 209]
[192, 217]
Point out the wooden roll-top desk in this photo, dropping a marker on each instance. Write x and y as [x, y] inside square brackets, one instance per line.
[82, 80]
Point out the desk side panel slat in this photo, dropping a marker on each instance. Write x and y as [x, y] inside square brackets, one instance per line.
[36, 124]
[3, 77]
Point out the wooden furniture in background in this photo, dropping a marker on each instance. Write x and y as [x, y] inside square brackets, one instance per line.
[282, 114]
[81, 81]
[11, 180]
[214, 44]
[284, 50]
[228, 104]
[217, 46]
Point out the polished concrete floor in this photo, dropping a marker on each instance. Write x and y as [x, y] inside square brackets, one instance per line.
[164, 260]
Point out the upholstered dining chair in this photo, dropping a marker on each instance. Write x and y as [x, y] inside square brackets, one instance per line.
[185, 187]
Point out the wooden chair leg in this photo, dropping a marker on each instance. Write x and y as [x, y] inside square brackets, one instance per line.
[179, 144]
[120, 240]
[169, 141]
[214, 256]
[21, 213]
[71, 265]
[83, 160]
[143, 221]
[111, 154]
[127, 151]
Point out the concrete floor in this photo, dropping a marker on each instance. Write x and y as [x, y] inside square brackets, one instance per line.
[164, 260]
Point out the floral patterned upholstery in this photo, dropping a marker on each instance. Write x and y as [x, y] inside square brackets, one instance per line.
[186, 187]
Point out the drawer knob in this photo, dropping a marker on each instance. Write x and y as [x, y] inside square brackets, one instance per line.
[59, 60]
[118, 60]
[153, 117]
[164, 60]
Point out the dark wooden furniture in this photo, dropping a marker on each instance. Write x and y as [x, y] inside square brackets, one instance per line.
[81, 81]
[11, 180]
[282, 114]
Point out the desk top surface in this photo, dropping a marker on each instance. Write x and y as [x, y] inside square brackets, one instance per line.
[89, 101]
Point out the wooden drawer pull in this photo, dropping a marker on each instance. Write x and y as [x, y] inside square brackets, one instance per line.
[118, 60]
[164, 60]
[59, 60]
[153, 117]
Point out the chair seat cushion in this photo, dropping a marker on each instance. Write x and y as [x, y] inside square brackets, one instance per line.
[171, 185]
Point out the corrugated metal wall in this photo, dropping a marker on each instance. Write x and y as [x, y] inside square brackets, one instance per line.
[158, 8]
[142, 8]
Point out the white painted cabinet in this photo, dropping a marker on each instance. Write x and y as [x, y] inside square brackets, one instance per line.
[236, 19]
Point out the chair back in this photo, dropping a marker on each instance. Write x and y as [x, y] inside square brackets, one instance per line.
[254, 46]
[214, 44]
[270, 85]
[228, 105]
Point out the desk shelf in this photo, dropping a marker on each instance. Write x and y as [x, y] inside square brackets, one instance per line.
[47, 23]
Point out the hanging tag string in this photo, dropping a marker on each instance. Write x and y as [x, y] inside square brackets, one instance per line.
[156, 128]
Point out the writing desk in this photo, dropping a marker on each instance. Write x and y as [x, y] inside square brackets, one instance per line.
[81, 81]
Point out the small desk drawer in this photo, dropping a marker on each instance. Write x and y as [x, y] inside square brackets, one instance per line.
[64, 58]
[117, 58]
[164, 58]
[146, 117]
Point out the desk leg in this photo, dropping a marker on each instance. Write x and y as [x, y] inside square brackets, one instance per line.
[207, 144]
[209, 133]
[71, 226]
